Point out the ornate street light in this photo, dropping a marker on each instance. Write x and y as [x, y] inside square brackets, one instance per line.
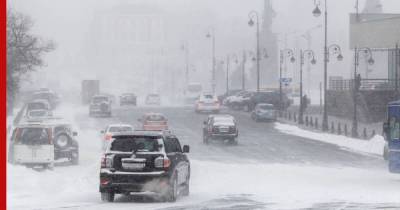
[254, 15]
[286, 53]
[311, 57]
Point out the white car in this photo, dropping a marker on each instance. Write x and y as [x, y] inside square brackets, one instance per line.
[207, 102]
[113, 129]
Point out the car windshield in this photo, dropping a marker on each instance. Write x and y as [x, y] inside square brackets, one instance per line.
[155, 117]
[33, 136]
[120, 129]
[136, 143]
[97, 100]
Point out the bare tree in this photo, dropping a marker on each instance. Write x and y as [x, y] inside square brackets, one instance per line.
[24, 52]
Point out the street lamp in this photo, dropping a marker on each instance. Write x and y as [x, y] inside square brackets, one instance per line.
[211, 34]
[254, 15]
[311, 57]
[286, 53]
[357, 83]
[185, 48]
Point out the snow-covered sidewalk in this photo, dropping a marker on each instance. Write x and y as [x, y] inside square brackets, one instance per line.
[373, 146]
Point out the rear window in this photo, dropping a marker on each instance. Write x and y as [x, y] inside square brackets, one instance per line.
[223, 120]
[266, 107]
[32, 136]
[99, 99]
[37, 105]
[136, 143]
[40, 113]
[208, 96]
[155, 118]
[120, 129]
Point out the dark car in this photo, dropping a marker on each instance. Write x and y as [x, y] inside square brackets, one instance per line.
[127, 99]
[268, 97]
[145, 161]
[100, 105]
[220, 127]
[264, 112]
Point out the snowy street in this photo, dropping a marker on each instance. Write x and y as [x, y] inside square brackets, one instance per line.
[269, 169]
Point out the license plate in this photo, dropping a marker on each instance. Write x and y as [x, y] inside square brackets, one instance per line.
[133, 166]
[223, 129]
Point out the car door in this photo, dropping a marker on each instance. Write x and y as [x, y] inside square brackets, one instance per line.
[178, 160]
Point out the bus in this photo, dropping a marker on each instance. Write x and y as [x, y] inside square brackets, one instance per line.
[391, 129]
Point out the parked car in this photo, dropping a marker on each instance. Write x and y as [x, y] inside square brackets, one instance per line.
[145, 161]
[153, 99]
[127, 99]
[154, 122]
[264, 112]
[269, 97]
[207, 102]
[112, 130]
[40, 144]
[220, 127]
[100, 105]
[223, 98]
[237, 101]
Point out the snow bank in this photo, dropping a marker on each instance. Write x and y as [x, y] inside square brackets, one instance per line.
[372, 146]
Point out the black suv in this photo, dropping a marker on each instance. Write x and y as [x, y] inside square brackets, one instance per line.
[145, 161]
[100, 105]
[127, 99]
[267, 97]
[220, 127]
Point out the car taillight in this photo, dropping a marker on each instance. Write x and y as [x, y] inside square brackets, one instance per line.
[108, 137]
[17, 134]
[162, 162]
[106, 162]
[49, 132]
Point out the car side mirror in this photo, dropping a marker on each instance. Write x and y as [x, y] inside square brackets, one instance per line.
[139, 120]
[102, 132]
[204, 122]
[74, 133]
[186, 149]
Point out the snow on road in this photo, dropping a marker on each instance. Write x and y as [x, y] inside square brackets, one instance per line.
[372, 146]
[214, 184]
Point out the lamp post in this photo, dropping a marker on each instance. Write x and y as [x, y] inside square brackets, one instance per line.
[253, 14]
[211, 34]
[286, 53]
[311, 57]
[185, 48]
[357, 84]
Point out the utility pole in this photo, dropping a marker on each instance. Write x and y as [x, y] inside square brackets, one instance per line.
[244, 70]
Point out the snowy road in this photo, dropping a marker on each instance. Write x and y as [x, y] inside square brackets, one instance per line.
[267, 170]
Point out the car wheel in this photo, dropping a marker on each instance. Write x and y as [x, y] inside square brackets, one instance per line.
[62, 141]
[186, 190]
[75, 159]
[233, 141]
[385, 154]
[172, 193]
[107, 196]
